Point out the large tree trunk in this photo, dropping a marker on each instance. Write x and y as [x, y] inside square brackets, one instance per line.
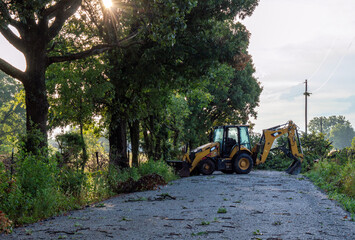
[118, 140]
[36, 96]
[134, 132]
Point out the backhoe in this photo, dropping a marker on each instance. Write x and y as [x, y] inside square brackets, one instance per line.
[230, 151]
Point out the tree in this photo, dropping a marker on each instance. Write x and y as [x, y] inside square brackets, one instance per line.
[325, 124]
[38, 23]
[12, 112]
[76, 95]
[341, 135]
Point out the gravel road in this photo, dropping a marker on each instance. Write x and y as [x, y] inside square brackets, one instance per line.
[260, 205]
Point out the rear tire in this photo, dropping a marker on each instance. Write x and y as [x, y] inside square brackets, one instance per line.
[243, 164]
[207, 167]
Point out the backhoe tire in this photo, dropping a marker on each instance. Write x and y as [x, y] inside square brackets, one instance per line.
[243, 164]
[207, 167]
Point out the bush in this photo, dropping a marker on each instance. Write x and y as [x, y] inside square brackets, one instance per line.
[159, 167]
[336, 175]
[71, 181]
[35, 195]
[119, 180]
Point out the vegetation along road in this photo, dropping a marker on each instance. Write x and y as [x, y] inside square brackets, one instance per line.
[260, 205]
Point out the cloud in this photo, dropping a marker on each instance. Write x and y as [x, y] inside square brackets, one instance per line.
[296, 40]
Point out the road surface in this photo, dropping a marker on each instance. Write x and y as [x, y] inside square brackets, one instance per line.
[260, 205]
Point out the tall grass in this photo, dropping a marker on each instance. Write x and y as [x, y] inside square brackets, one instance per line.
[337, 178]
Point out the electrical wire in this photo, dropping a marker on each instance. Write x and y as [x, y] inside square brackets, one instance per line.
[336, 67]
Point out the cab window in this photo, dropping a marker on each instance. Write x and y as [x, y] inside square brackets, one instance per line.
[244, 137]
[218, 136]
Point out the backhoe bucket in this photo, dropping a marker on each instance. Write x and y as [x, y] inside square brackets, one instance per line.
[294, 168]
[185, 170]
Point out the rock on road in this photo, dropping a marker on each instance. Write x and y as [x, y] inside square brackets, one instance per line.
[260, 205]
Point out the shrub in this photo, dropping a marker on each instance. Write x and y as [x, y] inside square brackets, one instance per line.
[336, 175]
[159, 167]
[71, 181]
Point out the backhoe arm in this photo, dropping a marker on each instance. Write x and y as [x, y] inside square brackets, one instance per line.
[262, 149]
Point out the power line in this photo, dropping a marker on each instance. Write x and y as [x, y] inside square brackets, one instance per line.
[336, 67]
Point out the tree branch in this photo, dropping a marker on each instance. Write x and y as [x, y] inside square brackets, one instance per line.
[12, 71]
[61, 11]
[12, 38]
[6, 19]
[98, 49]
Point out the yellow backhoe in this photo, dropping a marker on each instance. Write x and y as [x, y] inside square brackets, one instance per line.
[230, 151]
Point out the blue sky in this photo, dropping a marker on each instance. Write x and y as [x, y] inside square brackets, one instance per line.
[305, 39]
[292, 41]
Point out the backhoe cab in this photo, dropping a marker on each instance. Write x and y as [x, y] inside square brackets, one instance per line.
[230, 151]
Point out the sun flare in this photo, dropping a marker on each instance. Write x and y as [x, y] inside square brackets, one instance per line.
[107, 3]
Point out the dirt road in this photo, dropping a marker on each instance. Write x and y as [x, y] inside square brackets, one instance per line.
[260, 205]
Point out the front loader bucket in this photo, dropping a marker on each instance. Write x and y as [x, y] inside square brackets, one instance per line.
[185, 170]
[294, 168]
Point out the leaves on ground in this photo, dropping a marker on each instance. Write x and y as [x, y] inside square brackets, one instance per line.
[147, 182]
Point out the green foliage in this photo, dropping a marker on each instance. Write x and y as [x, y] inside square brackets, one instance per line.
[33, 193]
[314, 145]
[325, 124]
[159, 167]
[336, 175]
[336, 128]
[12, 112]
[70, 145]
[71, 181]
[222, 210]
[341, 135]
[75, 90]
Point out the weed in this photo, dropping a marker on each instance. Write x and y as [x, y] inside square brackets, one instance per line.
[222, 210]
[78, 225]
[257, 232]
[205, 223]
[125, 219]
[99, 205]
[28, 231]
[337, 178]
[276, 223]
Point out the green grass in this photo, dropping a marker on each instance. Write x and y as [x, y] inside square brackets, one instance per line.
[337, 179]
[222, 210]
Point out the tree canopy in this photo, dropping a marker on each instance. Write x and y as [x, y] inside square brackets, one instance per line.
[164, 74]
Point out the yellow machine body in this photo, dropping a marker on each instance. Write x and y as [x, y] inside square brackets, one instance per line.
[230, 151]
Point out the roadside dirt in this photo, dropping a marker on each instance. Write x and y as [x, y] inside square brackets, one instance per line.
[260, 205]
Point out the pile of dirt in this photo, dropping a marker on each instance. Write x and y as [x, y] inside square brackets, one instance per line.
[147, 182]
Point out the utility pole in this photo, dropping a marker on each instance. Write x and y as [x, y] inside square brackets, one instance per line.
[306, 94]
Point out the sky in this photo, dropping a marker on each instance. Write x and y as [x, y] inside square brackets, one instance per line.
[292, 41]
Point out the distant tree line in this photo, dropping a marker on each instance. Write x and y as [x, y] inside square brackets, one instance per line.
[336, 128]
